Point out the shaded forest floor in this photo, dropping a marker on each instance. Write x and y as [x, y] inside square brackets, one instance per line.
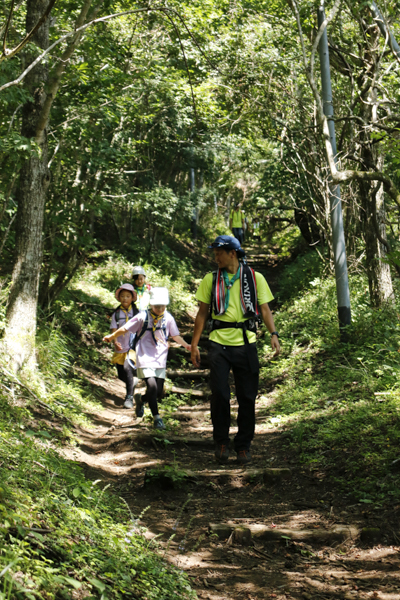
[275, 529]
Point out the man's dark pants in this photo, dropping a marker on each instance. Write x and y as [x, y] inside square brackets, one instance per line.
[238, 233]
[243, 361]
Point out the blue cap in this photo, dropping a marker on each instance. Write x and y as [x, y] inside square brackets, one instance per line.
[228, 242]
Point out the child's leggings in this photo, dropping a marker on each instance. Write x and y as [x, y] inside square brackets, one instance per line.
[154, 392]
[126, 374]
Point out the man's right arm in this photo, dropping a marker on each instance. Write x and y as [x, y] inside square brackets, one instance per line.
[199, 325]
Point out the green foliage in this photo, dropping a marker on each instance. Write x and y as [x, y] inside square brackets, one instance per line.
[53, 353]
[61, 532]
[301, 274]
[160, 205]
[167, 473]
[341, 402]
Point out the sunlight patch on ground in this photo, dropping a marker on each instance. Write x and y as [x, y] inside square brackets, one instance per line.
[103, 295]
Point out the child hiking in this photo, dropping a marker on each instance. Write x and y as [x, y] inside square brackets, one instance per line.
[142, 288]
[152, 327]
[126, 295]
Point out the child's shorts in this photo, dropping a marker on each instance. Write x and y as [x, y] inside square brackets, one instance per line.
[149, 372]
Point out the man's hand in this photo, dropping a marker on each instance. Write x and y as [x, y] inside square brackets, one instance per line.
[108, 338]
[195, 355]
[199, 324]
[270, 325]
[275, 345]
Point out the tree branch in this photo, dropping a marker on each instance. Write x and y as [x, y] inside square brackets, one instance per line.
[10, 53]
[187, 66]
[7, 26]
[55, 78]
[73, 33]
[347, 175]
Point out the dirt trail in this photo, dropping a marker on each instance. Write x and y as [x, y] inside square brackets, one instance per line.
[271, 530]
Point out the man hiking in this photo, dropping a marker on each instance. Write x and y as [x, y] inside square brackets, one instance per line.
[237, 223]
[238, 296]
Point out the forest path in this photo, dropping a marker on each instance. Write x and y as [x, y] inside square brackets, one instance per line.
[272, 530]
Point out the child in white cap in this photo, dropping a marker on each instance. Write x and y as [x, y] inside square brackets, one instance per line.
[126, 295]
[141, 287]
[152, 327]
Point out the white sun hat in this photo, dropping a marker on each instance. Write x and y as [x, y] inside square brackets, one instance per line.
[138, 271]
[159, 296]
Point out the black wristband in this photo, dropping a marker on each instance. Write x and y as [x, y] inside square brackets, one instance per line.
[275, 333]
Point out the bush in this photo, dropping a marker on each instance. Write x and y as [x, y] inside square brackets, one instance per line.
[299, 275]
[62, 534]
[340, 402]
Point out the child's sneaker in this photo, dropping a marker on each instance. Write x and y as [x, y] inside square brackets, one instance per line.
[158, 423]
[128, 402]
[139, 408]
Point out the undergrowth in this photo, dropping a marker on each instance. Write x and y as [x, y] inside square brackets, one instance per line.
[61, 532]
[340, 402]
[63, 536]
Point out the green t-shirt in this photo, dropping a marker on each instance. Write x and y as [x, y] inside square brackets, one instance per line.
[232, 337]
[237, 217]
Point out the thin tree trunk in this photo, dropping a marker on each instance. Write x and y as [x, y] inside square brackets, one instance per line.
[65, 277]
[378, 271]
[379, 276]
[385, 278]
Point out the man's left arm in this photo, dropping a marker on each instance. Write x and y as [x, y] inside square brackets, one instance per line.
[270, 325]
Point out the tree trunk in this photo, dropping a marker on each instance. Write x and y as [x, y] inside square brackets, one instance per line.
[379, 276]
[33, 183]
[30, 195]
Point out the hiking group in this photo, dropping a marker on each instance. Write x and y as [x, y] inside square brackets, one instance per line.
[143, 342]
[234, 298]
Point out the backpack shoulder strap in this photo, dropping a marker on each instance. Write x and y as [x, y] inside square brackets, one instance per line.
[117, 313]
[135, 337]
[214, 279]
[144, 327]
[256, 303]
[164, 327]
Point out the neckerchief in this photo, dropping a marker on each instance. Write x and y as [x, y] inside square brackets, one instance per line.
[126, 312]
[228, 284]
[156, 320]
[140, 291]
[248, 291]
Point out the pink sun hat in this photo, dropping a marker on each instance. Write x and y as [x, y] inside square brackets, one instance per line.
[125, 286]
